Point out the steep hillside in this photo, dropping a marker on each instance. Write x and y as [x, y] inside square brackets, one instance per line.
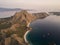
[23, 17]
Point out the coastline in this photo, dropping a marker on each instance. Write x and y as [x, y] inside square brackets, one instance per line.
[26, 35]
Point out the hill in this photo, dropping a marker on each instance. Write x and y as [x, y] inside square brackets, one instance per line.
[12, 29]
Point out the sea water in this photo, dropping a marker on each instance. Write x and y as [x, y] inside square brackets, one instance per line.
[45, 31]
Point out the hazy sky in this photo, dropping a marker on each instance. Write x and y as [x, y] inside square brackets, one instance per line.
[30, 4]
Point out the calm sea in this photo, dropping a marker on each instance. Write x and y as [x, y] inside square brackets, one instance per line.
[45, 31]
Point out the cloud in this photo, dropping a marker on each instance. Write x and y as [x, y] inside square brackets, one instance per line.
[29, 3]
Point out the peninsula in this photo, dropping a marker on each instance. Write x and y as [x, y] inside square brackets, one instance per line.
[12, 29]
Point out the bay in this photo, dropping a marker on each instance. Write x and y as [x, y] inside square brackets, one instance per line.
[45, 31]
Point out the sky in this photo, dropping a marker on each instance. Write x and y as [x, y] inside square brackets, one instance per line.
[30, 4]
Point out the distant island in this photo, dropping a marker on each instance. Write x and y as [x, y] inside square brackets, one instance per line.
[13, 28]
[55, 13]
[14, 9]
[9, 9]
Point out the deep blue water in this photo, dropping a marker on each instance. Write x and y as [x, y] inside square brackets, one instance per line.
[45, 31]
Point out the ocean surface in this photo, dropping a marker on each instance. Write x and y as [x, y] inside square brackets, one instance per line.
[5, 14]
[45, 31]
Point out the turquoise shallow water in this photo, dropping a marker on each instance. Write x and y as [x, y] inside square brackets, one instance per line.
[44, 33]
